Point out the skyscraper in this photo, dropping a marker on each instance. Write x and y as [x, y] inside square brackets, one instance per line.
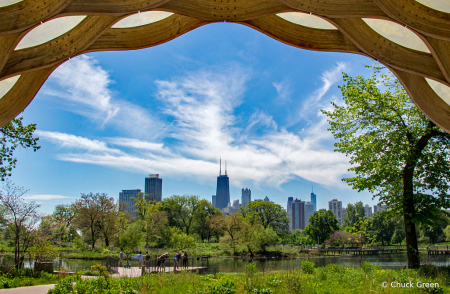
[127, 201]
[379, 207]
[367, 210]
[313, 199]
[309, 210]
[214, 200]
[336, 207]
[153, 188]
[246, 196]
[298, 214]
[289, 211]
[223, 189]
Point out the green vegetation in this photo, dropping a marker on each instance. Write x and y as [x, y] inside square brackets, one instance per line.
[330, 279]
[26, 277]
[396, 152]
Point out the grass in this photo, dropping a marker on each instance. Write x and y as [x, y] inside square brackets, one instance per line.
[329, 279]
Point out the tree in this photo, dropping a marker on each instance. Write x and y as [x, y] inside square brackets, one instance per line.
[88, 215]
[267, 214]
[353, 213]
[13, 135]
[20, 218]
[396, 152]
[108, 221]
[181, 210]
[321, 225]
[232, 226]
[204, 219]
[154, 220]
[384, 226]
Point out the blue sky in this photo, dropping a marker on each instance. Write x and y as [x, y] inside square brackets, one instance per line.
[106, 120]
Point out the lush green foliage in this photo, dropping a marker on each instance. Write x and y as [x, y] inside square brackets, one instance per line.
[26, 277]
[330, 279]
[267, 214]
[354, 213]
[396, 152]
[321, 225]
[13, 135]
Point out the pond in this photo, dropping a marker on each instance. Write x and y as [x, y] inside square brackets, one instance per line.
[231, 264]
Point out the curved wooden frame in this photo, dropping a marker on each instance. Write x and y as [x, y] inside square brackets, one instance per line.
[353, 35]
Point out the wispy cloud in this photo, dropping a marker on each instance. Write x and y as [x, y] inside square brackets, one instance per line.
[46, 197]
[201, 106]
[283, 91]
[315, 100]
[84, 87]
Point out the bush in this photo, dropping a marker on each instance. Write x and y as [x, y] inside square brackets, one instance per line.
[226, 288]
[308, 266]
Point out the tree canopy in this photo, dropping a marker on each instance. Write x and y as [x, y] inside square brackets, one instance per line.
[396, 152]
[267, 214]
[13, 135]
[321, 225]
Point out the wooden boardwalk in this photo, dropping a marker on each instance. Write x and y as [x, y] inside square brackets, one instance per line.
[438, 252]
[137, 272]
[355, 251]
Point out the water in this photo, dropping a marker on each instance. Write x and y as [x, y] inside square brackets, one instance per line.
[230, 264]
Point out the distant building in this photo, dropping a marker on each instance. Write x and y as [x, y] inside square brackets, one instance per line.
[127, 201]
[213, 200]
[298, 214]
[266, 199]
[309, 210]
[336, 207]
[344, 212]
[289, 210]
[313, 200]
[223, 189]
[367, 210]
[379, 207]
[153, 188]
[246, 196]
[236, 204]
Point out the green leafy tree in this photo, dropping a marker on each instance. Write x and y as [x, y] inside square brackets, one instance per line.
[396, 152]
[13, 135]
[384, 226]
[321, 225]
[154, 220]
[353, 213]
[181, 211]
[267, 214]
[233, 226]
[204, 217]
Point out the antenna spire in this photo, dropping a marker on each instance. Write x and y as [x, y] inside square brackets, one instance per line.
[312, 188]
[225, 167]
[220, 170]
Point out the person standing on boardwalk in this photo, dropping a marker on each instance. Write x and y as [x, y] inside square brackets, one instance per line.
[140, 258]
[147, 259]
[161, 260]
[176, 260]
[121, 257]
[185, 259]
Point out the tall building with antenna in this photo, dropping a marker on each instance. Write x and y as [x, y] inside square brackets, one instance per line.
[223, 188]
[313, 199]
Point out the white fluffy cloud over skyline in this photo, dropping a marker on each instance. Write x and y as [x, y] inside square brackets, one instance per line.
[202, 125]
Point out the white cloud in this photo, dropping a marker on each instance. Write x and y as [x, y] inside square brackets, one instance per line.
[202, 106]
[85, 89]
[76, 142]
[46, 197]
[283, 91]
[314, 101]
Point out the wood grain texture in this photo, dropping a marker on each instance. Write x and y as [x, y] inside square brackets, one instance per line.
[94, 33]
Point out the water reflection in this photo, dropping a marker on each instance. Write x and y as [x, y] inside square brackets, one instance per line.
[230, 264]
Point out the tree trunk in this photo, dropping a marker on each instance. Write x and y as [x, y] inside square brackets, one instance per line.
[409, 213]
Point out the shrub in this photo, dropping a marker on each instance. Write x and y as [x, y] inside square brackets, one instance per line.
[308, 266]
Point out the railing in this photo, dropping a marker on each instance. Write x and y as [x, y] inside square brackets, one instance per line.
[112, 264]
[192, 263]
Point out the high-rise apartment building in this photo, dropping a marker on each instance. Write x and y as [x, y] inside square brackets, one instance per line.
[223, 189]
[309, 210]
[379, 207]
[314, 200]
[235, 204]
[367, 210]
[213, 200]
[336, 207]
[289, 211]
[153, 188]
[298, 214]
[246, 196]
[127, 201]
